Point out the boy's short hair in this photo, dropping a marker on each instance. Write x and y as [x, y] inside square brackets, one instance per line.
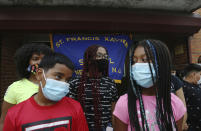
[191, 68]
[49, 61]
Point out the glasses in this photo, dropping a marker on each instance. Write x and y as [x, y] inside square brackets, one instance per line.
[102, 56]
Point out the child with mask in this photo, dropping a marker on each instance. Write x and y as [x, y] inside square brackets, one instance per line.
[94, 89]
[49, 109]
[26, 59]
[192, 93]
[149, 104]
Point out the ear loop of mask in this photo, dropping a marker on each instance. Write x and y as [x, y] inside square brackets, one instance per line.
[45, 79]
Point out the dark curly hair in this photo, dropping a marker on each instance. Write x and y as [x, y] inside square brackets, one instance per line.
[24, 54]
[191, 68]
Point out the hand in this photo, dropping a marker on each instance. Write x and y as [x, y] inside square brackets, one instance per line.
[185, 127]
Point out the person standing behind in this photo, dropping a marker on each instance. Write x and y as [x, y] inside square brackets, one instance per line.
[192, 93]
[25, 58]
[49, 109]
[94, 89]
[149, 104]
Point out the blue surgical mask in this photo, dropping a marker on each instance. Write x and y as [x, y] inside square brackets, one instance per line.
[141, 73]
[54, 90]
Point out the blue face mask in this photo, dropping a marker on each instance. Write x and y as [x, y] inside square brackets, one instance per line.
[54, 90]
[142, 75]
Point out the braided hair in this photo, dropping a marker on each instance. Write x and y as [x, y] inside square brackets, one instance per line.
[90, 70]
[158, 53]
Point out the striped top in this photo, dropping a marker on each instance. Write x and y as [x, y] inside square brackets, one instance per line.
[107, 93]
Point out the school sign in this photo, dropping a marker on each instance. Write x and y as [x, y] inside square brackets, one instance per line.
[74, 47]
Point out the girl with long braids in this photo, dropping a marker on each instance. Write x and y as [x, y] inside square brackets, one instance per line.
[149, 105]
[94, 89]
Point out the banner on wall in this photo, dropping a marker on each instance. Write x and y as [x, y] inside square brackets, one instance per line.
[74, 47]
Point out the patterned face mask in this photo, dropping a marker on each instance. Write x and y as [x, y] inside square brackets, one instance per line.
[32, 68]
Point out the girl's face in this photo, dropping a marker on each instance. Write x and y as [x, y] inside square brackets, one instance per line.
[101, 53]
[35, 59]
[139, 55]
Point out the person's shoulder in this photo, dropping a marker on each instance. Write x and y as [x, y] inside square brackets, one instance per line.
[176, 79]
[17, 83]
[175, 100]
[122, 102]
[174, 97]
[108, 79]
[178, 107]
[71, 102]
[18, 107]
[75, 79]
[123, 98]
[14, 87]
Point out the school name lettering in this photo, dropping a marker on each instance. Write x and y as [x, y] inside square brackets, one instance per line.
[114, 70]
[110, 61]
[105, 39]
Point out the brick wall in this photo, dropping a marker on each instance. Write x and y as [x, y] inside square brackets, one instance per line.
[195, 47]
[9, 44]
[195, 44]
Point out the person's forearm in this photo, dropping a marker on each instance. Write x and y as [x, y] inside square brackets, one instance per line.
[1, 123]
[180, 94]
[113, 106]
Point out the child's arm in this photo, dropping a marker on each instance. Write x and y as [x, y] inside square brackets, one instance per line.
[119, 125]
[180, 124]
[5, 107]
[180, 94]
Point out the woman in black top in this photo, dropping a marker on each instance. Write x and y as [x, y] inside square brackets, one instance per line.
[94, 89]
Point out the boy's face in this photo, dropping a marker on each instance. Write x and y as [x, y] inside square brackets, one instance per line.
[59, 72]
[173, 72]
[194, 77]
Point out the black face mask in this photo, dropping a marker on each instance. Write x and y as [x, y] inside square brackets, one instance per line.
[102, 65]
